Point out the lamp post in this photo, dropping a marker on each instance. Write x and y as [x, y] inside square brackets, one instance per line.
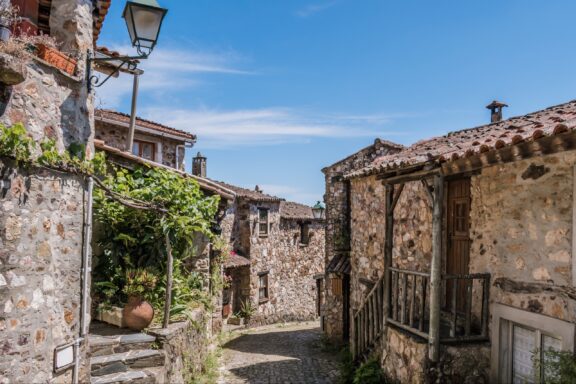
[318, 210]
[143, 19]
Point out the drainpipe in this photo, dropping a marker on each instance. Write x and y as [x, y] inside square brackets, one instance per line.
[86, 270]
[130, 138]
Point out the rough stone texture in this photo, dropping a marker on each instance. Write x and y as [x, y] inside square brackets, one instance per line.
[186, 347]
[115, 136]
[291, 266]
[403, 357]
[291, 354]
[41, 225]
[337, 199]
[12, 70]
[522, 230]
[42, 213]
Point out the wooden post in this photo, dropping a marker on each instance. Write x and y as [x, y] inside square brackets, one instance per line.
[436, 270]
[169, 272]
[388, 243]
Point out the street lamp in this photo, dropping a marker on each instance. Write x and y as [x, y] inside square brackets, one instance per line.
[143, 20]
[318, 210]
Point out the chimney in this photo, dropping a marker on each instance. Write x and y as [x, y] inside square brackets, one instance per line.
[495, 108]
[257, 189]
[199, 165]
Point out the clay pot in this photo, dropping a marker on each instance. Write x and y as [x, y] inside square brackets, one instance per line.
[137, 313]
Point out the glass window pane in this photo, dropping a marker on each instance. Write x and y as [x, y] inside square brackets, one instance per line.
[136, 148]
[147, 151]
[524, 345]
[549, 343]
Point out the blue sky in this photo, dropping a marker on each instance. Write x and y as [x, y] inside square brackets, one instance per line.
[277, 89]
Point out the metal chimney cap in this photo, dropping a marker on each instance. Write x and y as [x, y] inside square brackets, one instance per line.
[496, 104]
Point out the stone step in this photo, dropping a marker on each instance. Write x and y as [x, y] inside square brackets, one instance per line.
[125, 361]
[145, 376]
[107, 345]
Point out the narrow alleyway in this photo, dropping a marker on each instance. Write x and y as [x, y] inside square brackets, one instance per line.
[277, 354]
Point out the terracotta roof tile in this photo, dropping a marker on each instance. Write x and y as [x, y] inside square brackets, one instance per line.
[125, 118]
[235, 261]
[249, 193]
[470, 142]
[295, 211]
[102, 7]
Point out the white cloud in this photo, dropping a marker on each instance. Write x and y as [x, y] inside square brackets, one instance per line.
[267, 126]
[168, 70]
[313, 9]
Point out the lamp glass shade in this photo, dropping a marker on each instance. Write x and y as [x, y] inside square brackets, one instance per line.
[318, 210]
[144, 20]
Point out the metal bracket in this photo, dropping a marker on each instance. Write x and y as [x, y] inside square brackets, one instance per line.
[93, 81]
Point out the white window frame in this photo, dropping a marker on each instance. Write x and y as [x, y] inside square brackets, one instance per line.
[504, 317]
[260, 233]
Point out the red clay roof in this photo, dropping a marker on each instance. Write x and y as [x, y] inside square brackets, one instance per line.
[235, 261]
[249, 194]
[295, 211]
[469, 142]
[125, 118]
[102, 7]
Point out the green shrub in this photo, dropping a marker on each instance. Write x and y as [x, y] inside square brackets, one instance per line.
[369, 373]
[559, 367]
[347, 367]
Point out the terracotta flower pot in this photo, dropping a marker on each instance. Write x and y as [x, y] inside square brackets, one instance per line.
[57, 59]
[137, 313]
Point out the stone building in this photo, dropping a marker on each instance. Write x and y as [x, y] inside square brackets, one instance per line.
[42, 213]
[152, 141]
[277, 252]
[461, 249]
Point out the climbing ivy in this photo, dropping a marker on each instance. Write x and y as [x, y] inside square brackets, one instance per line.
[173, 207]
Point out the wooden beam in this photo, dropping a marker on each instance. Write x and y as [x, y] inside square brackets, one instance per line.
[436, 270]
[388, 244]
[414, 176]
[397, 197]
[428, 189]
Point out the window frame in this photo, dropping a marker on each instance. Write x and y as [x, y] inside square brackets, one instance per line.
[140, 142]
[503, 320]
[304, 233]
[267, 222]
[266, 297]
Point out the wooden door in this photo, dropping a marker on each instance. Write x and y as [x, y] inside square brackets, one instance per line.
[458, 242]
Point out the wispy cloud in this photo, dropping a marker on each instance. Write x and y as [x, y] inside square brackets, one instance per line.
[266, 126]
[315, 8]
[169, 70]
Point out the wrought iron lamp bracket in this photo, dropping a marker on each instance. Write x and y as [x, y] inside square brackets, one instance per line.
[94, 81]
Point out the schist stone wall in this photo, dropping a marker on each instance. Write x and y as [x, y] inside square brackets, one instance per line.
[337, 199]
[521, 222]
[42, 213]
[166, 149]
[291, 266]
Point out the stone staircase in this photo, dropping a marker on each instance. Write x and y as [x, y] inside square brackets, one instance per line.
[120, 356]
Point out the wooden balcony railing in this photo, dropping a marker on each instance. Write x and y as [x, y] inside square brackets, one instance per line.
[464, 316]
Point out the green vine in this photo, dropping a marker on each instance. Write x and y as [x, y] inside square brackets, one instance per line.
[135, 211]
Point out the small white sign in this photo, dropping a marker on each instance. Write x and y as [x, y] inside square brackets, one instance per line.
[63, 357]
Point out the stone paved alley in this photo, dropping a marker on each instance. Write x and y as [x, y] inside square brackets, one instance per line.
[279, 354]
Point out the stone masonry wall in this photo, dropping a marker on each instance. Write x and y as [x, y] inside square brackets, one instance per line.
[41, 225]
[291, 266]
[337, 199]
[42, 213]
[115, 136]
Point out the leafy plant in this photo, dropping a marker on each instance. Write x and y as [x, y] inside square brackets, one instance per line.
[139, 282]
[14, 142]
[247, 310]
[347, 367]
[558, 367]
[369, 373]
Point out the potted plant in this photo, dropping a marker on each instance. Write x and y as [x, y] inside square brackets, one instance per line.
[138, 313]
[236, 319]
[54, 57]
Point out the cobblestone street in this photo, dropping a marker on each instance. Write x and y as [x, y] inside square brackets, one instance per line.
[276, 354]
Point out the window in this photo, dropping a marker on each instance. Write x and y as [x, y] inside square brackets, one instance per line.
[263, 222]
[263, 287]
[144, 149]
[520, 340]
[304, 233]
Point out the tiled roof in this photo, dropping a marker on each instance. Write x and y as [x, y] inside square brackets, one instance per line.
[249, 194]
[235, 261]
[125, 118]
[475, 141]
[295, 211]
[102, 7]
[204, 183]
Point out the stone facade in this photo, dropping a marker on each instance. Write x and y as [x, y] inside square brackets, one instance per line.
[521, 224]
[42, 213]
[291, 266]
[338, 208]
[169, 152]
